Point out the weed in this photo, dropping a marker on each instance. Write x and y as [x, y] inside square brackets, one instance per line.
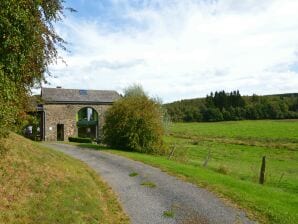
[133, 174]
[148, 184]
[169, 214]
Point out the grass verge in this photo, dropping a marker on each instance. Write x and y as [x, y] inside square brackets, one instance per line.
[39, 185]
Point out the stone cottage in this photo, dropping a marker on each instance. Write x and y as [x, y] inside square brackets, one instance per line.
[73, 112]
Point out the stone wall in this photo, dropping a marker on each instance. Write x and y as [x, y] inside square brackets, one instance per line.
[66, 114]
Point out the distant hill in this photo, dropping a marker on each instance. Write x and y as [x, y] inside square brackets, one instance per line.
[285, 95]
[221, 106]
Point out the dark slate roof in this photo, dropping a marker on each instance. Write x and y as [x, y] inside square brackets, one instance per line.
[60, 95]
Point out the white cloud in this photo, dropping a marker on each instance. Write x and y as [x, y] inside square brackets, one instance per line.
[186, 49]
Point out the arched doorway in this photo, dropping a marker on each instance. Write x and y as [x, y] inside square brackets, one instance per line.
[87, 123]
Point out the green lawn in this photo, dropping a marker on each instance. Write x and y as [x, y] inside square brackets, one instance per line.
[39, 185]
[236, 150]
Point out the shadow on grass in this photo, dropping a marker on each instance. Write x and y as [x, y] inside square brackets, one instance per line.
[98, 147]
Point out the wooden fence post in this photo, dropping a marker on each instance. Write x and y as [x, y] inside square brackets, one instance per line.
[207, 158]
[172, 151]
[262, 172]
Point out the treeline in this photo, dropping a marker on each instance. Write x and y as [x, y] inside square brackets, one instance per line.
[223, 106]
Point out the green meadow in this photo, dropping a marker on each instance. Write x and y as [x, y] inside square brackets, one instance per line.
[232, 168]
[262, 130]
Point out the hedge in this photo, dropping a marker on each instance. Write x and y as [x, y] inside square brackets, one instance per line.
[80, 140]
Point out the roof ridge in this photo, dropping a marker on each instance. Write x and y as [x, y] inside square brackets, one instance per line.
[77, 95]
[79, 89]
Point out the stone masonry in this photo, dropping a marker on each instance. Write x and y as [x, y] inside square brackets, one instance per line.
[66, 114]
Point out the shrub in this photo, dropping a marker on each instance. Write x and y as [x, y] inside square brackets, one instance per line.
[80, 140]
[135, 123]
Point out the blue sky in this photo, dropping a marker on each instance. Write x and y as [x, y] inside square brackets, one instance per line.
[180, 49]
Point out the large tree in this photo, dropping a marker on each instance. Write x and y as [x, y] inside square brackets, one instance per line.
[28, 44]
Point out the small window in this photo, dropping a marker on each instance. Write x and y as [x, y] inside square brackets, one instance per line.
[83, 92]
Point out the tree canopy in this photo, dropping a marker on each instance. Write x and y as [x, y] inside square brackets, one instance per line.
[135, 123]
[28, 44]
[221, 106]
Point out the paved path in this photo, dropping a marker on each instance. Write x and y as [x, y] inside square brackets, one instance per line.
[188, 203]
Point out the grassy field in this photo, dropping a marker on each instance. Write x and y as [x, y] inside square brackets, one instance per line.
[232, 151]
[38, 185]
[236, 150]
[262, 130]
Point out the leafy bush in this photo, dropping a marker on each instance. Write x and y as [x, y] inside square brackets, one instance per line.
[135, 123]
[8, 109]
[80, 140]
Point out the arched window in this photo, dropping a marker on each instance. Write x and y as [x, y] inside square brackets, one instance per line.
[87, 116]
[87, 122]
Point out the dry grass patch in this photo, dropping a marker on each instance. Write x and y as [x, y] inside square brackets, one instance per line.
[38, 185]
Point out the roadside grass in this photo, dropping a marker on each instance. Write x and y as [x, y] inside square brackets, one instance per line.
[232, 171]
[39, 185]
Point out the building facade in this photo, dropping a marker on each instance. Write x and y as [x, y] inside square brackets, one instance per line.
[73, 113]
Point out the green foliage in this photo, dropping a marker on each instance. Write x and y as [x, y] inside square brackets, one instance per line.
[135, 123]
[134, 90]
[8, 103]
[80, 140]
[212, 114]
[28, 44]
[220, 106]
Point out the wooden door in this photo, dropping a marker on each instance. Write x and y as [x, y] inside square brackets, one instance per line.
[60, 132]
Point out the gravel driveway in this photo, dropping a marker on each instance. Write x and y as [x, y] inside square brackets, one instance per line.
[169, 201]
